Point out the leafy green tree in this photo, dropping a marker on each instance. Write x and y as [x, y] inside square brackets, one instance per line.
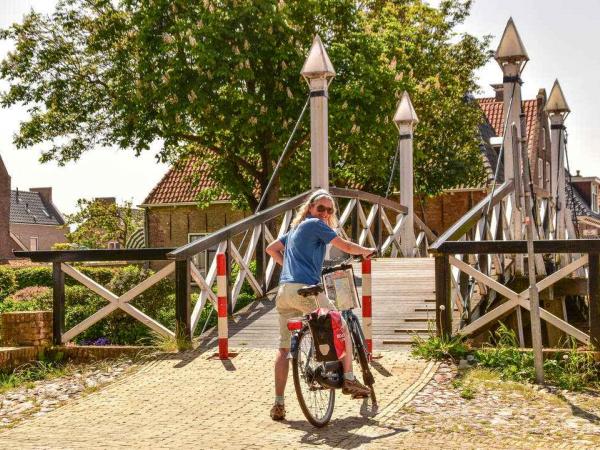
[219, 80]
[99, 221]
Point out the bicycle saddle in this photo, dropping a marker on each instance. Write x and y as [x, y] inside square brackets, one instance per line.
[314, 289]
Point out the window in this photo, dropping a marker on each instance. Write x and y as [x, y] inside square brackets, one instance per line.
[594, 204]
[33, 244]
[204, 259]
[540, 172]
[547, 176]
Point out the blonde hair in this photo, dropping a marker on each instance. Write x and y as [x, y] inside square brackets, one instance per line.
[302, 212]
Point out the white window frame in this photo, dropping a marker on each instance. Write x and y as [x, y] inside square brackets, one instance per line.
[594, 202]
[204, 259]
[540, 172]
[33, 243]
[547, 176]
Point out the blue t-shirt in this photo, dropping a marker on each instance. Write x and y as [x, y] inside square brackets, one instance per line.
[305, 251]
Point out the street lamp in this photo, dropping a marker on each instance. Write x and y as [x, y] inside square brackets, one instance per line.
[406, 119]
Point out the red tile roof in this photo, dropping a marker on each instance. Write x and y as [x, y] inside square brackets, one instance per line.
[177, 185]
[494, 111]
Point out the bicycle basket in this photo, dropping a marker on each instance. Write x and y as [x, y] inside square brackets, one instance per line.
[340, 288]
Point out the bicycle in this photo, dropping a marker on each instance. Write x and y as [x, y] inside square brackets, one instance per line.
[316, 382]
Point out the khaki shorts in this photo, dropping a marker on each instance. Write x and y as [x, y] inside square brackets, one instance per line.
[290, 305]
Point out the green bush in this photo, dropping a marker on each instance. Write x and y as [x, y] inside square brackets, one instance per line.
[34, 276]
[8, 282]
[42, 276]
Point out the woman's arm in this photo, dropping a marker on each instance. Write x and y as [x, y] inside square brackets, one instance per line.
[352, 248]
[275, 250]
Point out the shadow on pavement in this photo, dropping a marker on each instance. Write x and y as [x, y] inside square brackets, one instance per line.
[380, 369]
[339, 433]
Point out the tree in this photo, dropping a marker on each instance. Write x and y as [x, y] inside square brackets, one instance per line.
[99, 221]
[219, 80]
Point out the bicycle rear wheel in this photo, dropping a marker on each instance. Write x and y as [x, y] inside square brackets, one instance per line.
[315, 400]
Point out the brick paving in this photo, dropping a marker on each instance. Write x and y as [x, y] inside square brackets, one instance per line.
[191, 401]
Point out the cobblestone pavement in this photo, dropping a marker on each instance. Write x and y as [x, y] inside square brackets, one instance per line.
[41, 397]
[192, 401]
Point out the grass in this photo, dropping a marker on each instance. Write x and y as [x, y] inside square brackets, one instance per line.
[171, 344]
[27, 374]
[503, 360]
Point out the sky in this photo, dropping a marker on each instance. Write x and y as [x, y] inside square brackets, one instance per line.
[560, 37]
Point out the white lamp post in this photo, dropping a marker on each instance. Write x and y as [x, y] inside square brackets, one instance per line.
[406, 119]
[512, 57]
[317, 71]
[558, 110]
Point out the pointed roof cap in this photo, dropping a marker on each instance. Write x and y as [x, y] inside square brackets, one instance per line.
[317, 63]
[405, 112]
[556, 102]
[511, 46]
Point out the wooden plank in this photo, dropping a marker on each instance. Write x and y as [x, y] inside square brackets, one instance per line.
[490, 282]
[147, 283]
[556, 276]
[489, 317]
[558, 323]
[89, 283]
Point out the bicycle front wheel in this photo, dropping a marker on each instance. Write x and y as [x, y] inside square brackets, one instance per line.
[360, 348]
[316, 401]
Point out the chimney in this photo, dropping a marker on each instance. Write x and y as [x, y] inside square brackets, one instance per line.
[106, 200]
[45, 193]
[498, 91]
[5, 240]
[577, 173]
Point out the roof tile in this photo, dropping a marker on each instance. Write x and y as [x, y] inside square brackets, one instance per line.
[494, 112]
[177, 186]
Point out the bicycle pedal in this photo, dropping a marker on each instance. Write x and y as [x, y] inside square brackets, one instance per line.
[359, 396]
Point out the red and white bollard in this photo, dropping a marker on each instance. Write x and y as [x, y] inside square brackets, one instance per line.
[367, 310]
[222, 306]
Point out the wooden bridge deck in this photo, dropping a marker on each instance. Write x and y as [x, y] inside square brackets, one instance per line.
[403, 304]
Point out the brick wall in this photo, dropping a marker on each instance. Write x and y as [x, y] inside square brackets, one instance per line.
[442, 211]
[5, 241]
[47, 235]
[31, 328]
[170, 226]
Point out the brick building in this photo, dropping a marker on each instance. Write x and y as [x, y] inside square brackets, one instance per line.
[172, 217]
[584, 197]
[29, 220]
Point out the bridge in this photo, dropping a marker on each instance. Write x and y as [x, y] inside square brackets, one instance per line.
[461, 282]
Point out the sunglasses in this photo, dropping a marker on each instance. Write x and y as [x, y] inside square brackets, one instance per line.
[323, 208]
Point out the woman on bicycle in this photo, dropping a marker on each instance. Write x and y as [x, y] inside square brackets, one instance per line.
[301, 252]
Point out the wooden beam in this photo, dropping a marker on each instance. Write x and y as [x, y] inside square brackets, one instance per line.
[443, 300]
[558, 323]
[58, 304]
[489, 317]
[556, 276]
[518, 246]
[183, 306]
[489, 282]
[594, 298]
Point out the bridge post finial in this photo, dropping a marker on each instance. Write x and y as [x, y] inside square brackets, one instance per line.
[558, 110]
[318, 71]
[405, 119]
[512, 57]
